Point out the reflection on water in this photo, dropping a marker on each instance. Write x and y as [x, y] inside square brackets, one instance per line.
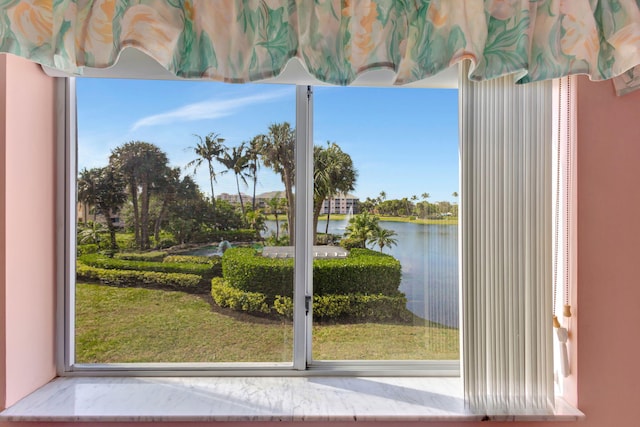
[429, 258]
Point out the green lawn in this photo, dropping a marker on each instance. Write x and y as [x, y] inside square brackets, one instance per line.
[143, 325]
[412, 219]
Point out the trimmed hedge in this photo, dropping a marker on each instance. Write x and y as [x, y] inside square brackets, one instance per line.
[141, 256]
[325, 307]
[189, 259]
[364, 271]
[227, 296]
[143, 279]
[205, 271]
[353, 306]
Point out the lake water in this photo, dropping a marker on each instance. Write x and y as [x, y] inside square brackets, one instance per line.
[428, 254]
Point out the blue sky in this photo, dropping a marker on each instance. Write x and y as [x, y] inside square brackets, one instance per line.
[402, 141]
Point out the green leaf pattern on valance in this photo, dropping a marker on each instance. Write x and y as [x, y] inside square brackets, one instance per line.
[336, 40]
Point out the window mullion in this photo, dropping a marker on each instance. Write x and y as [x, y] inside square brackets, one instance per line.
[303, 229]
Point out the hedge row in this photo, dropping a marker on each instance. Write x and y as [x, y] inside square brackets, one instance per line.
[362, 272]
[227, 296]
[144, 279]
[141, 256]
[205, 271]
[190, 259]
[325, 307]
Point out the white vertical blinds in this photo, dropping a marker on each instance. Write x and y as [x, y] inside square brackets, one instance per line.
[506, 244]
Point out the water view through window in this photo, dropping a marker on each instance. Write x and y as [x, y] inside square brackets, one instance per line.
[185, 223]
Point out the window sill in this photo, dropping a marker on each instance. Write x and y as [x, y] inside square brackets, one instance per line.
[259, 399]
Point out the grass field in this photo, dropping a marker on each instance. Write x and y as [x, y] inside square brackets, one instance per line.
[115, 325]
[412, 219]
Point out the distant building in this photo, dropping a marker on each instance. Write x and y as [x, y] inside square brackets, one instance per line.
[341, 204]
[85, 213]
[233, 198]
[262, 200]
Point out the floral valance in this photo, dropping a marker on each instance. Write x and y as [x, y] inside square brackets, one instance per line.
[337, 40]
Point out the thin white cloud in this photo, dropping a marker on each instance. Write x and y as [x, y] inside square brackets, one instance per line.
[208, 109]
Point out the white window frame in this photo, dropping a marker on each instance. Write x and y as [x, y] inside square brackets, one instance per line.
[302, 363]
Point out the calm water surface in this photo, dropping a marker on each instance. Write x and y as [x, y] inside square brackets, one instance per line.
[429, 257]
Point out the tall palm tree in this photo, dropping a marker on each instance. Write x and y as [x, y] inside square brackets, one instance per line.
[253, 153]
[383, 237]
[87, 191]
[236, 160]
[277, 149]
[208, 150]
[333, 173]
[143, 166]
[110, 196]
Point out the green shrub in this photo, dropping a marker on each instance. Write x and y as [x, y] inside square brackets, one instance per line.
[227, 296]
[350, 243]
[89, 248]
[133, 278]
[283, 306]
[141, 256]
[245, 270]
[189, 259]
[363, 271]
[353, 307]
[205, 271]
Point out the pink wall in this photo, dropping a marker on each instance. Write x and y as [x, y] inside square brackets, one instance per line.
[28, 275]
[607, 307]
[609, 254]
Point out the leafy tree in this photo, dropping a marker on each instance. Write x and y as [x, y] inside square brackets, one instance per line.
[91, 233]
[361, 228]
[110, 195]
[188, 211]
[333, 173]
[167, 192]
[208, 150]
[236, 160]
[277, 149]
[142, 165]
[256, 221]
[383, 237]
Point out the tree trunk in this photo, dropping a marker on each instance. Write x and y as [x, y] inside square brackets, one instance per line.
[144, 217]
[133, 189]
[213, 196]
[240, 196]
[291, 211]
[326, 229]
[112, 235]
[163, 211]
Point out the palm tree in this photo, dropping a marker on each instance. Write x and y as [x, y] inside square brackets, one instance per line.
[425, 196]
[208, 150]
[143, 166]
[237, 161]
[361, 227]
[277, 149]
[253, 154]
[276, 203]
[383, 237]
[110, 196]
[333, 173]
[87, 191]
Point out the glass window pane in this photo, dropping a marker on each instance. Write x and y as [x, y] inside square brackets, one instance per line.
[386, 264]
[171, 176]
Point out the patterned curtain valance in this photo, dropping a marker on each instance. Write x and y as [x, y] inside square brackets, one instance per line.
[337, 40]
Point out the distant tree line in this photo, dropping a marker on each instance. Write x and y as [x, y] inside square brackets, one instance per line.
[139, 184]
